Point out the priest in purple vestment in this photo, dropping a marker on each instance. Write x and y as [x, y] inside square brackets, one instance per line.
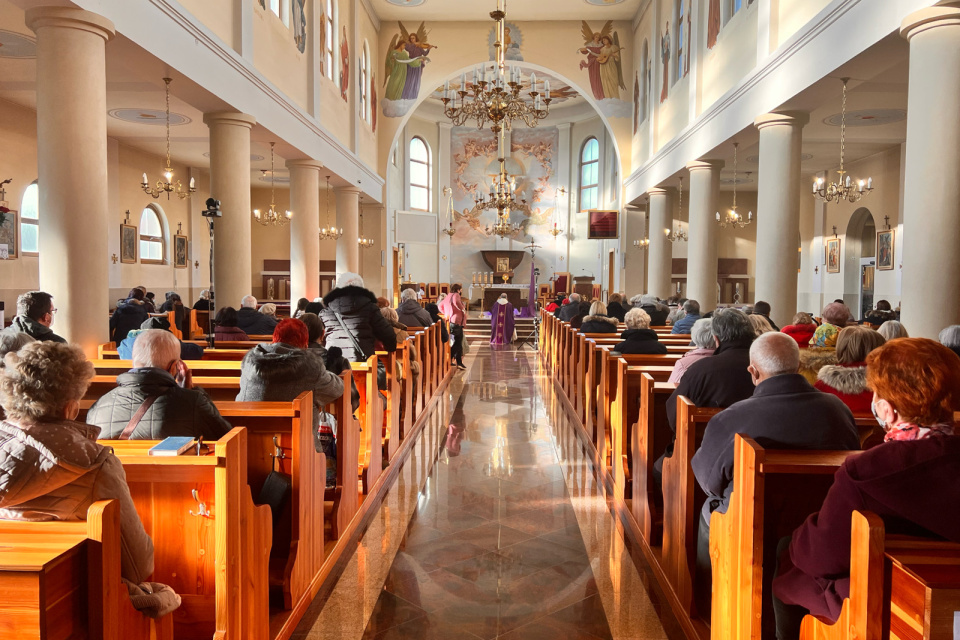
[501, 322]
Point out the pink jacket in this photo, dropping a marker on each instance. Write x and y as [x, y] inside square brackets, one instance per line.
[452, 307]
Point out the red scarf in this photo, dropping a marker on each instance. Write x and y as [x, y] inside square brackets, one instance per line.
[907, 431]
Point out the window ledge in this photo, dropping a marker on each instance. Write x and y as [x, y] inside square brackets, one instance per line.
[160, 262]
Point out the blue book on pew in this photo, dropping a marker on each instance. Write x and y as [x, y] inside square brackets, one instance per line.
[172, 446]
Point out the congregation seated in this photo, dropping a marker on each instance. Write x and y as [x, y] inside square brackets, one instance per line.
[908, 482]
[760, 324]
[556, 304]
[333, 358]
[822, 348]
[639, 337]
[35, 312]
[848, 378]
[567, 312]
[314, 307]
[270, 310]
[410, 312]
[171, 303]
[353, 321]
[400, 330]
[881, 313]
[150, 301]
[433, 310]
[892, 329]
[784, 412]
[382, 302]
[54, 469]
[598, 321]
[691, 313]
[188, 350]
[702, 338]
[950, 338]
[658, 312]
[129, 315]
[583, 310]
[615, 308]
[226, 326]
[251, 321]
[203, 303]
[801, 329]
[676, 310]
[156, 398]
[761, 308]
[301, 308]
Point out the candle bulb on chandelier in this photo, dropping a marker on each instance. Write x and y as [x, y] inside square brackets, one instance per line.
[546, 88]
[193, 184]
[145, 180]
[848, 181]
[869, 184]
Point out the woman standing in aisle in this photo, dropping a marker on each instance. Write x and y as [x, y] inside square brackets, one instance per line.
[452, 307]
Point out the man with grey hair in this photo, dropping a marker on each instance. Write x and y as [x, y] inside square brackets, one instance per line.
[410, 312]
[156, 398]
[658, 312]
[353, 320]
[691, 313]
[784, 412]
[950, 338]
[251, 321]
[567, 312]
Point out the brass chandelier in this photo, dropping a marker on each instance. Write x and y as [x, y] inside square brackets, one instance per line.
[331, 232]
[844, 188]
[503, 188]
[644, 242]
[733, 218]
[167, 185]
[272, 215]
[363, 241]
[495, 94]
[679, 235]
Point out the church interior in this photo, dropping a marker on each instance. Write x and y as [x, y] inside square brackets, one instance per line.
[509, 319]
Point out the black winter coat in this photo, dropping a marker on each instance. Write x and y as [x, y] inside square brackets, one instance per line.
[719, 381]
[37, 331]
[658, 314]
[128, 316]
[176, 412]
[568, 311]
[254, 323]
[616, 310]
[412, 314]
[598, 324]
[362, 317]
[640, 341]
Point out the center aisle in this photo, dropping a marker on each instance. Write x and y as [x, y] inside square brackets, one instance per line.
[504, 534]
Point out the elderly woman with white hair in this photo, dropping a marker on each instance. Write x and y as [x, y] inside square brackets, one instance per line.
[353, 321]
[639, 337]
[892, 329]
[950, 338]
[701, 336]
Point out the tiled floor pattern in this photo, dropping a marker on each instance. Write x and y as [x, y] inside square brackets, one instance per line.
[504, 534]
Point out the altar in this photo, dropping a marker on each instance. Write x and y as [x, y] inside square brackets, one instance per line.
[516, 294]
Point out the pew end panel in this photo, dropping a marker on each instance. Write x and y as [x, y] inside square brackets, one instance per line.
[651, 436]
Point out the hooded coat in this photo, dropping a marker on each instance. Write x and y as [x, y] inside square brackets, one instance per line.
[801, 333]
[279, 372]
[598, 324]
[176, 411]
[658, 314]
[128, 316]
[37, 331]
[640, 341]
[812, 359]
[616, 310]
[254, 323]
[413, 315]
[55, 470]
[847, 382]
[362, 318]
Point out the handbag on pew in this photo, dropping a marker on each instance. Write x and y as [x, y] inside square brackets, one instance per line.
[325, 442]
[277, 486]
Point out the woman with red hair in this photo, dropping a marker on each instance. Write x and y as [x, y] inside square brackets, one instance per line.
[909, 481]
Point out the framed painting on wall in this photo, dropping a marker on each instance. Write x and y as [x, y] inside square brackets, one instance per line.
[603, 224]
[128, 244]
[885, 250]
[9, 244]
[180, 252]
[833, 255]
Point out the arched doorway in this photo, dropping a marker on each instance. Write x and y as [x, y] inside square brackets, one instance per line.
[860, 262]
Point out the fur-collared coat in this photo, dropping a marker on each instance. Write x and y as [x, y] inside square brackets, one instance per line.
[849, 383]
[598, 324]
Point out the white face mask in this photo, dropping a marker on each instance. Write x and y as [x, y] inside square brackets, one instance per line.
[880, 421]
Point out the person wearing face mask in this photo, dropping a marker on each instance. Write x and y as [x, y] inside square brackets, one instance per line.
[910, 482]
[35, 313]
[785, 412]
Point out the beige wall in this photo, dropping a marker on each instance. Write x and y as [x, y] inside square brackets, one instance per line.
[276, 56]
[219, 16]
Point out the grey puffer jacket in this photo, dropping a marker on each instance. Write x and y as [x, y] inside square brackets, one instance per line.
[56, 470]
[175, 412]
[413, 315]
[37, 331]
[279, 372]
[361, 315]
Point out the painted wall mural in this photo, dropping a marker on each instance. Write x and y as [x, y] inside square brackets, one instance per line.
[665, 59]
[512, 44]
[713, 23]
[604, 68]
[299, 25]
[403, 68]
[344, 65]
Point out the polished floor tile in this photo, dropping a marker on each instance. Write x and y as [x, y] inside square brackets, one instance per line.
[500, 532]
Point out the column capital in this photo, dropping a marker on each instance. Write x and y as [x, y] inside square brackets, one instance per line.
[234, 118]
[69, 18]
[705, 165]
[658, 191]
[445, 125]
[316, 165]
[347, 189]
[930, 18]
[787, 118]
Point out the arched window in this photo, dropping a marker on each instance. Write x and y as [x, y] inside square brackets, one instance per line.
[681, 42]
[30, 220]
[151, 236]
[329, 29]
[364, 76]
[420, 171]
[590, 175]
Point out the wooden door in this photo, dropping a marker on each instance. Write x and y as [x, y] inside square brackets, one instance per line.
[611, 271]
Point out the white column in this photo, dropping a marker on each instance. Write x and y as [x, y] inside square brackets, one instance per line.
[661, 250]
[561, 260]
[778, 212]
[230, 184]
[444, 242]
[703, 232]
[931, 220]
[72, 164]
[304, 229]
[348, 219]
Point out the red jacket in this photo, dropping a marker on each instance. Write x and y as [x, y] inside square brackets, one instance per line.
[801, 333]
[849, 383]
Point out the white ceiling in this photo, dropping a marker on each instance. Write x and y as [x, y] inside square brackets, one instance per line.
[518, 10]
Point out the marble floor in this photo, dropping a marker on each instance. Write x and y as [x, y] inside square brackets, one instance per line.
[496, 528]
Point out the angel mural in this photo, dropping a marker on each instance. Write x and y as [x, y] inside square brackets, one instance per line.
[665, 59]
[344, 65]
[603, 64]
[299, 25]
[373, 101]
[713, 23]
[636, 102]
[403, 69]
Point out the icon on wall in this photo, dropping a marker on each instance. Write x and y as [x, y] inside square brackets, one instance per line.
[885, 249]
[833, 255]
[128, 244]
[180, 252]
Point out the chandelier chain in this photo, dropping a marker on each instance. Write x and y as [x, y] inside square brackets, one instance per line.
[167, 83]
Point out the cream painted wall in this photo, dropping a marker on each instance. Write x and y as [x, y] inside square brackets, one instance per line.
[734, 55]
[276, 56]
[219, 16]
[422, 259]
[367, 143]
[788, 16]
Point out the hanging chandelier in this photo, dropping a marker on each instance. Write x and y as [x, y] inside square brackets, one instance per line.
[844, 188]
[272, 215]
[561, 194]
[363, 241]
[502, 189]
[503, 228]
[167, 185]
[645, 242]
[329, 233]
[495, 94]
[679, 235]
[733, 218]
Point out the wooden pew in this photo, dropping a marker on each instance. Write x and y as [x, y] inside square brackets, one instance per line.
[219, 387]
[682, 500]
[900, 587]
[371, 419]
[202, 368]
[765, 505]
[391, 417]
[651, 435]
[208, 354]
[62, 580]
[211, 543]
